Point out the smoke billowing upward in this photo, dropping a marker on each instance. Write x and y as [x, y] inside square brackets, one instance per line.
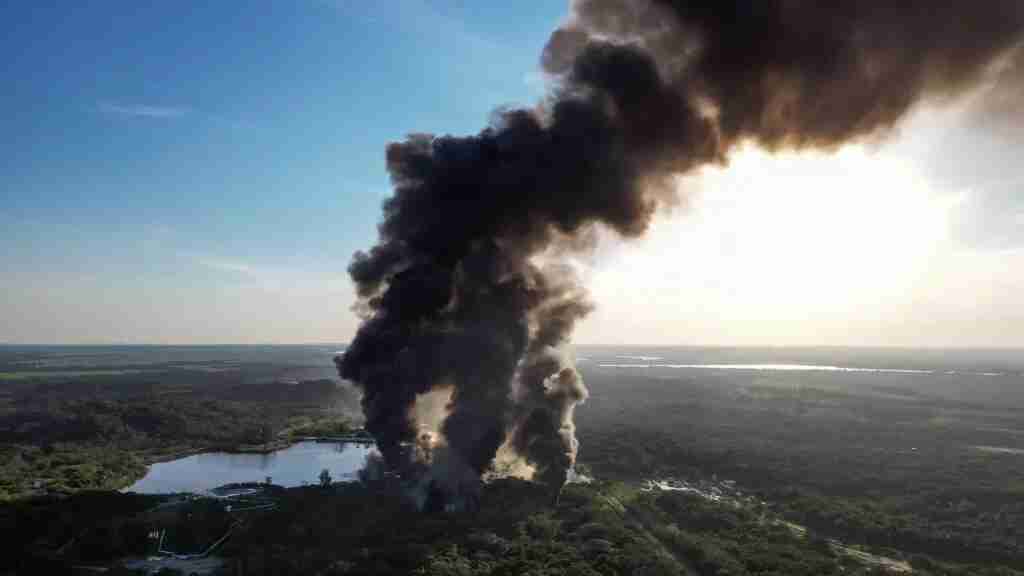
[464, 289]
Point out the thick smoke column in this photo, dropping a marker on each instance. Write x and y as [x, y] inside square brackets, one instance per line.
[456, 295]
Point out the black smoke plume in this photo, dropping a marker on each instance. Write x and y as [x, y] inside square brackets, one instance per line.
[464, 290]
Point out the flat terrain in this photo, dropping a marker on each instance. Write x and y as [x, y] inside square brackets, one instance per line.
[770, 461]
[889, 459]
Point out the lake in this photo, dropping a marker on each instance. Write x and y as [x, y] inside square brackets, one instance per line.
[296, 465]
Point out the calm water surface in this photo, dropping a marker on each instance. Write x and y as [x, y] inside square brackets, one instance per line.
[294, 466]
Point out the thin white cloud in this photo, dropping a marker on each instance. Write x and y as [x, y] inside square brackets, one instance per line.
[144, 110]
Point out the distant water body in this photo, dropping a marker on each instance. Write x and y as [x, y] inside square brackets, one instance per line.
[988, 376]
[297, 465]
[785, 368]
[994, 376]
[144, 357]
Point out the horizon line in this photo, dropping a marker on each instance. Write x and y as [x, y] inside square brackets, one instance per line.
[574, 345]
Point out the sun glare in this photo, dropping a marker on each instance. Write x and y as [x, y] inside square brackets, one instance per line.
[784, 237]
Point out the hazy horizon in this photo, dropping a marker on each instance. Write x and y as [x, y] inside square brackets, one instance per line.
[573, 345]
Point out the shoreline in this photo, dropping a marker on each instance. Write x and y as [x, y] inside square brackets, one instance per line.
[268, 448]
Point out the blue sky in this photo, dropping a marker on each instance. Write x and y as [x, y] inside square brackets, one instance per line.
[201, 172]
[171, 147]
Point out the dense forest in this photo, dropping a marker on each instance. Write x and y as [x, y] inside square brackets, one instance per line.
[100, 431]
[599, 528]
[885, 466]
[709, 474]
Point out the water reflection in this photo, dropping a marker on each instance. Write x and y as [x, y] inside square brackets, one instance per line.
[297, 465]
